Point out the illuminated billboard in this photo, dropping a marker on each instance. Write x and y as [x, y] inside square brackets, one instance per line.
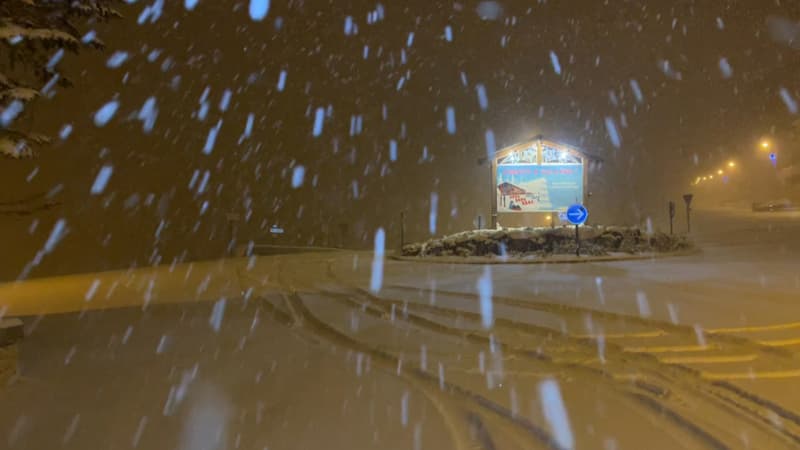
[526, 187]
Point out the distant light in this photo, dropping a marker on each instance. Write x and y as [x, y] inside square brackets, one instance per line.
[773, 156]
[731, 164]
[719, 172]
[764, 144]
[711, 177]
[548, 217]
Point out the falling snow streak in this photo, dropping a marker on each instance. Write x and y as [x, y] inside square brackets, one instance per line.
[725, 68]
[483, 100]
[451, 120]
[491, 147]
[225, 100]
[410, 39]
[211, 139]
[248, 127]
[673, 313]
[194, 179]
[203, 182]
[643, 304]
[489, 10]
[393, 150]
[637, 91]
[319, 118]
[404, 409]
[298, 175]
[484, 286]
[152, 12]
[101, 180]
[10, 113]
[216, 314]
[348, 25]
[203, 112]
[55, 59]
[433, 213]
[667, 69]
[56, 234]
[788, 100]
[556, 414]
[258, 9]
[282, 81]
[47, 89]
[105, 113]
[555, 63]
[89, 37]
[448, 33]
[613, 134]
[92, 290]
[148, 115]
[376, 278]
[66, 130]
[598, 281]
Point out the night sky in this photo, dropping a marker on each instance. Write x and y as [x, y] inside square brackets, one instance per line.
[709, 74]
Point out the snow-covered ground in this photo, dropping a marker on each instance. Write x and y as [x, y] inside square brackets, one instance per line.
[686, 352]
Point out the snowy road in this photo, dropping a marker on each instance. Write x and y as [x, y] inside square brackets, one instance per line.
[689, 352]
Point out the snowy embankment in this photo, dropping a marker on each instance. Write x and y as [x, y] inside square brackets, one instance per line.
[544, 242]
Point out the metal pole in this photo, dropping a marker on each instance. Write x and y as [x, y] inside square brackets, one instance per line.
[688, 219]
[493, 198]
[577, 242]
[671, 206]
[402, 229]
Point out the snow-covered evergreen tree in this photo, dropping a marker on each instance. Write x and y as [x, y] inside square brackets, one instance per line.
[34, 35]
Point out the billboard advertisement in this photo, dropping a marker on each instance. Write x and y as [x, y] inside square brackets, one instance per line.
[538, 188]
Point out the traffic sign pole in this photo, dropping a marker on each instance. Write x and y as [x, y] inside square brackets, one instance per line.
[687, 198]
[577, 215]
[671, 214]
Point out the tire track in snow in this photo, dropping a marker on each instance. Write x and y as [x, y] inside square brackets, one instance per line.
[749, 406]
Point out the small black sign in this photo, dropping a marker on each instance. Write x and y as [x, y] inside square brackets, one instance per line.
[688, 199]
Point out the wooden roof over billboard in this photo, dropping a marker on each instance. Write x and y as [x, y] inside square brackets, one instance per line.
[541, 141]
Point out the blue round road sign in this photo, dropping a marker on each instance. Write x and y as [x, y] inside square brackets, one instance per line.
[577, 214]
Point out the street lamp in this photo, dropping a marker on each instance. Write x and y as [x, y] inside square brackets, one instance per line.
[731, 164]
[765, 144]
[719, 172]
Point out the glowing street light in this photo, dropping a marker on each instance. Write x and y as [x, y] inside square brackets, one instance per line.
[731, 164]
[719, 172]
[765, 144]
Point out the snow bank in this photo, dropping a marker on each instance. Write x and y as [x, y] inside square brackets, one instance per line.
[595, 240]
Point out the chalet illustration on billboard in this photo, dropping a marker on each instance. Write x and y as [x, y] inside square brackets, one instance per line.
[525, 185]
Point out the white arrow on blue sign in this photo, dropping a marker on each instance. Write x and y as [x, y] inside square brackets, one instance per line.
[577, 214]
